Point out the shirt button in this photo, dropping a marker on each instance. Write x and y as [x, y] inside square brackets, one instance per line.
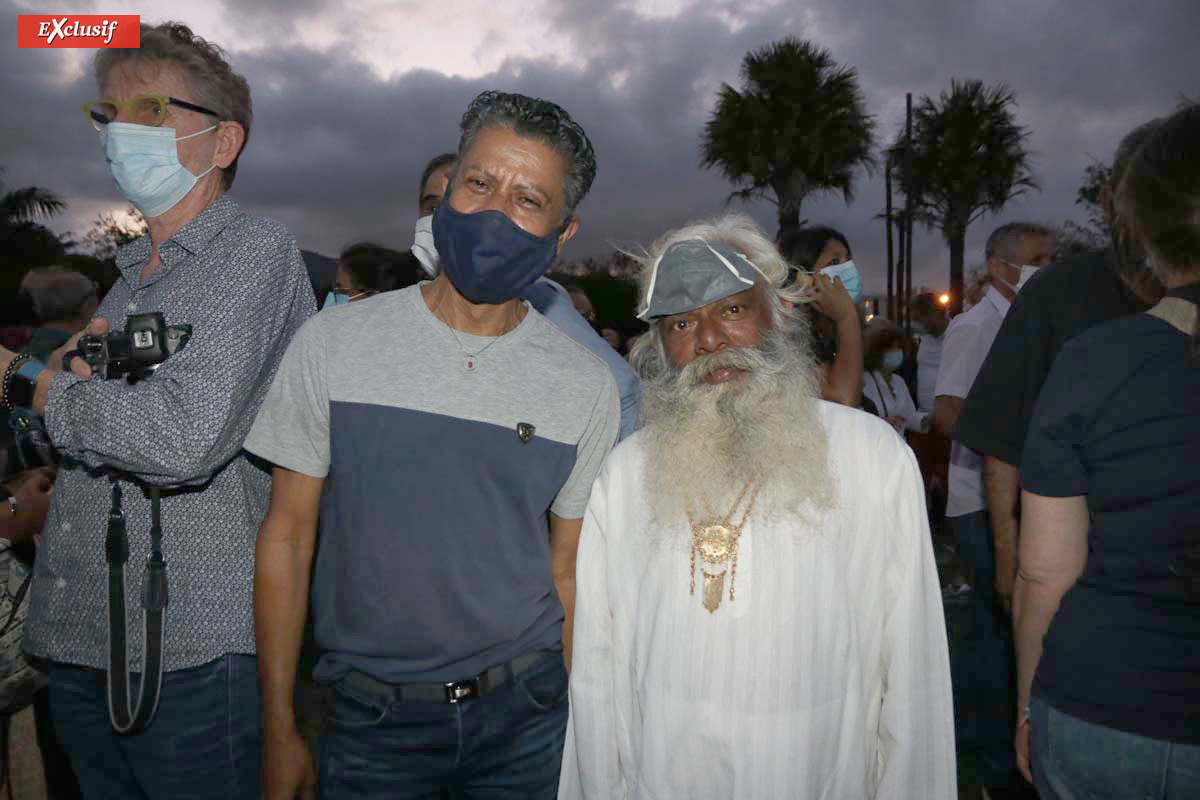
[132, 306]
[61, 583]
[66, 526]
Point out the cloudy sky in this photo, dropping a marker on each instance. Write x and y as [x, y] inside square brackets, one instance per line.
[352, 97]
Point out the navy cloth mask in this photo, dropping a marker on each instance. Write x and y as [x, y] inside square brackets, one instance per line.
[487, 257]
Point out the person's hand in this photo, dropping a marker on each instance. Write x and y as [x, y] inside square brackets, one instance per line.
[97, 327]
[32, 490]
[1021, 745]
[288, 770]
[832, 299]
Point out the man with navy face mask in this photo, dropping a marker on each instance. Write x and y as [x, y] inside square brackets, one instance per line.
[458, 433]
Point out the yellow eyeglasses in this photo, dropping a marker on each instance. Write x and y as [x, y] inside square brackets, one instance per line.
[145, 110]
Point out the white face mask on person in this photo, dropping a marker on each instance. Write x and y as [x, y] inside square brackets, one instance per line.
[144, 161]
[1027, 272]
[423, 247]
[892, 360]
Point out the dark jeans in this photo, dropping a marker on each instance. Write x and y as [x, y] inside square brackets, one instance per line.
[205, 740]
[1077, 760]
[505, 745]
[982, 671]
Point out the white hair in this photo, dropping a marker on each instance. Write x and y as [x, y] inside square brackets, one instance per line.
[705, 443]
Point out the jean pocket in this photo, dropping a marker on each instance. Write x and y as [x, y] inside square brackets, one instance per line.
[354, 710]
[545, 686]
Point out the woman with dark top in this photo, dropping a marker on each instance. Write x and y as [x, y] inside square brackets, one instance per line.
[837, 336]
[1107, 600]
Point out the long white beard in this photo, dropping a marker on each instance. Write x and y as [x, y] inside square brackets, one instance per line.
[706, 443]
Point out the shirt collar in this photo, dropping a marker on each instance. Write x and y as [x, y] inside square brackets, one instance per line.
[998, 300]
[191, 238]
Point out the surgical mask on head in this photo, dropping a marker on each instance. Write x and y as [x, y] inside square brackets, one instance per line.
[145, 164]
[892, 359]
[1027, 272]
[848, 273]
[423, 247]
[487, 256]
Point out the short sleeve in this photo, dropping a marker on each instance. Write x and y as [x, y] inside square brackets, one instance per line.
[995, 417]
[1052, 463]
[961, 359]
[292, 426]
[598, 439]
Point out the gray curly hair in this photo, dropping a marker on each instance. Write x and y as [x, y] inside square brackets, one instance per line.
[537, 119]
[208, 75]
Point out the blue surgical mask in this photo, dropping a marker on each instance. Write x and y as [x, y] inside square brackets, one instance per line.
[145, 163]
[337, 298]
[487, 256]
[851, 280]
[892, 359]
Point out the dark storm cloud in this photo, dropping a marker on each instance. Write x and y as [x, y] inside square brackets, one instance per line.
[336, 151]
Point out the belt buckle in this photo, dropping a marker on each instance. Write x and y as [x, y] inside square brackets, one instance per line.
[457, 691]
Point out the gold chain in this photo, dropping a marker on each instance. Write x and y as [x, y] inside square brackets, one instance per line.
[718, 543]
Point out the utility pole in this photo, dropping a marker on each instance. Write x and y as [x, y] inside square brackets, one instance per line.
[906, 298]
[887, 216]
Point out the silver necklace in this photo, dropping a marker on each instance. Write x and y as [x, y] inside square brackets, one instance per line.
[471, 358]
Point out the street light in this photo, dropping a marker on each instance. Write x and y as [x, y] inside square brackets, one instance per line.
[943, 299]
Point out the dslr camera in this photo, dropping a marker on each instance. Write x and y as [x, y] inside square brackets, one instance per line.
[134, 353]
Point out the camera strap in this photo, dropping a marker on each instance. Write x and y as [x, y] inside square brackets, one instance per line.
[126, 719]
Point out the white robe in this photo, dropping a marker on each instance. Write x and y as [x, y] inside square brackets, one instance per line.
[826, 677]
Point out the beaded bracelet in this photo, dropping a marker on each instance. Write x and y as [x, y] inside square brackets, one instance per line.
[13, 366]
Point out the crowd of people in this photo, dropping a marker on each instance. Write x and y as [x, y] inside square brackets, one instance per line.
[533, 566]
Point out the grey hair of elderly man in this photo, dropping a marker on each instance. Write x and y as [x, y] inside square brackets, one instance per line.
[205, 69]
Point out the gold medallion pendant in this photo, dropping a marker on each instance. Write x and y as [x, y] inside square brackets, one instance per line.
[717, 545]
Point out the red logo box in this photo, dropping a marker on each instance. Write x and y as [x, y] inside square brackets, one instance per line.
[79, 30]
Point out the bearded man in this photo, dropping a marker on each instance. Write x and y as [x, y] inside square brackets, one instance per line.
[757, 611]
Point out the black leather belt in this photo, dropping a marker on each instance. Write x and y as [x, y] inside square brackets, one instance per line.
[451, 692]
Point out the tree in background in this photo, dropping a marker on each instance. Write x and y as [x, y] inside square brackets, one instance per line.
[797, 127]
[969, 158]
[110, 231]
[24, 242]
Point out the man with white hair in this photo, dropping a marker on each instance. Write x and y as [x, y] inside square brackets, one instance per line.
[757, 610]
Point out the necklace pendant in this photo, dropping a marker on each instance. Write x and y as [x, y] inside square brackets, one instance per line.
[714, 588]
[470, 363]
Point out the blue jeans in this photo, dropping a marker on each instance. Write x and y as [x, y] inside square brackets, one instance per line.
[205, 740]
[1077, 760]
[984, 688]
[505, 745]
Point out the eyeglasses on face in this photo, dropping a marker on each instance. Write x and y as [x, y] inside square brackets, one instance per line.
[145, 110]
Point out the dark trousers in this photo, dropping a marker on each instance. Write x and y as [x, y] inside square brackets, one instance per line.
[505, 745]
[205, 740]
[984, 686]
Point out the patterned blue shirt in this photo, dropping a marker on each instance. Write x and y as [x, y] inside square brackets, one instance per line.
[240, 283]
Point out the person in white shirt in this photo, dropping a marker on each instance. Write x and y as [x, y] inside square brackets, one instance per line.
[1014, 252]
[883, 353]
[757, 606]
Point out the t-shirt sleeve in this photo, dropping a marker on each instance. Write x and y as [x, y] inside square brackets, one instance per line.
[995, 417]
[961, 358]
[292, 426]
[1052, 463]
[598, 439]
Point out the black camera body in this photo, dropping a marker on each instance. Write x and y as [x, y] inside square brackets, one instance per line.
[136, 352]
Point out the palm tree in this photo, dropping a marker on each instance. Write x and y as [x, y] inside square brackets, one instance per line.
[798, 126]
[968, 159]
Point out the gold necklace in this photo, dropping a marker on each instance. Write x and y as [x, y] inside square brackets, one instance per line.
[717, 544]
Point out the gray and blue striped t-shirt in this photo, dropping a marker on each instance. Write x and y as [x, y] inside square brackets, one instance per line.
[434, 560]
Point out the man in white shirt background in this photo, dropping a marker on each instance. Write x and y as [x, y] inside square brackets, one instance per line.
[757, 607]
[983, 675]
